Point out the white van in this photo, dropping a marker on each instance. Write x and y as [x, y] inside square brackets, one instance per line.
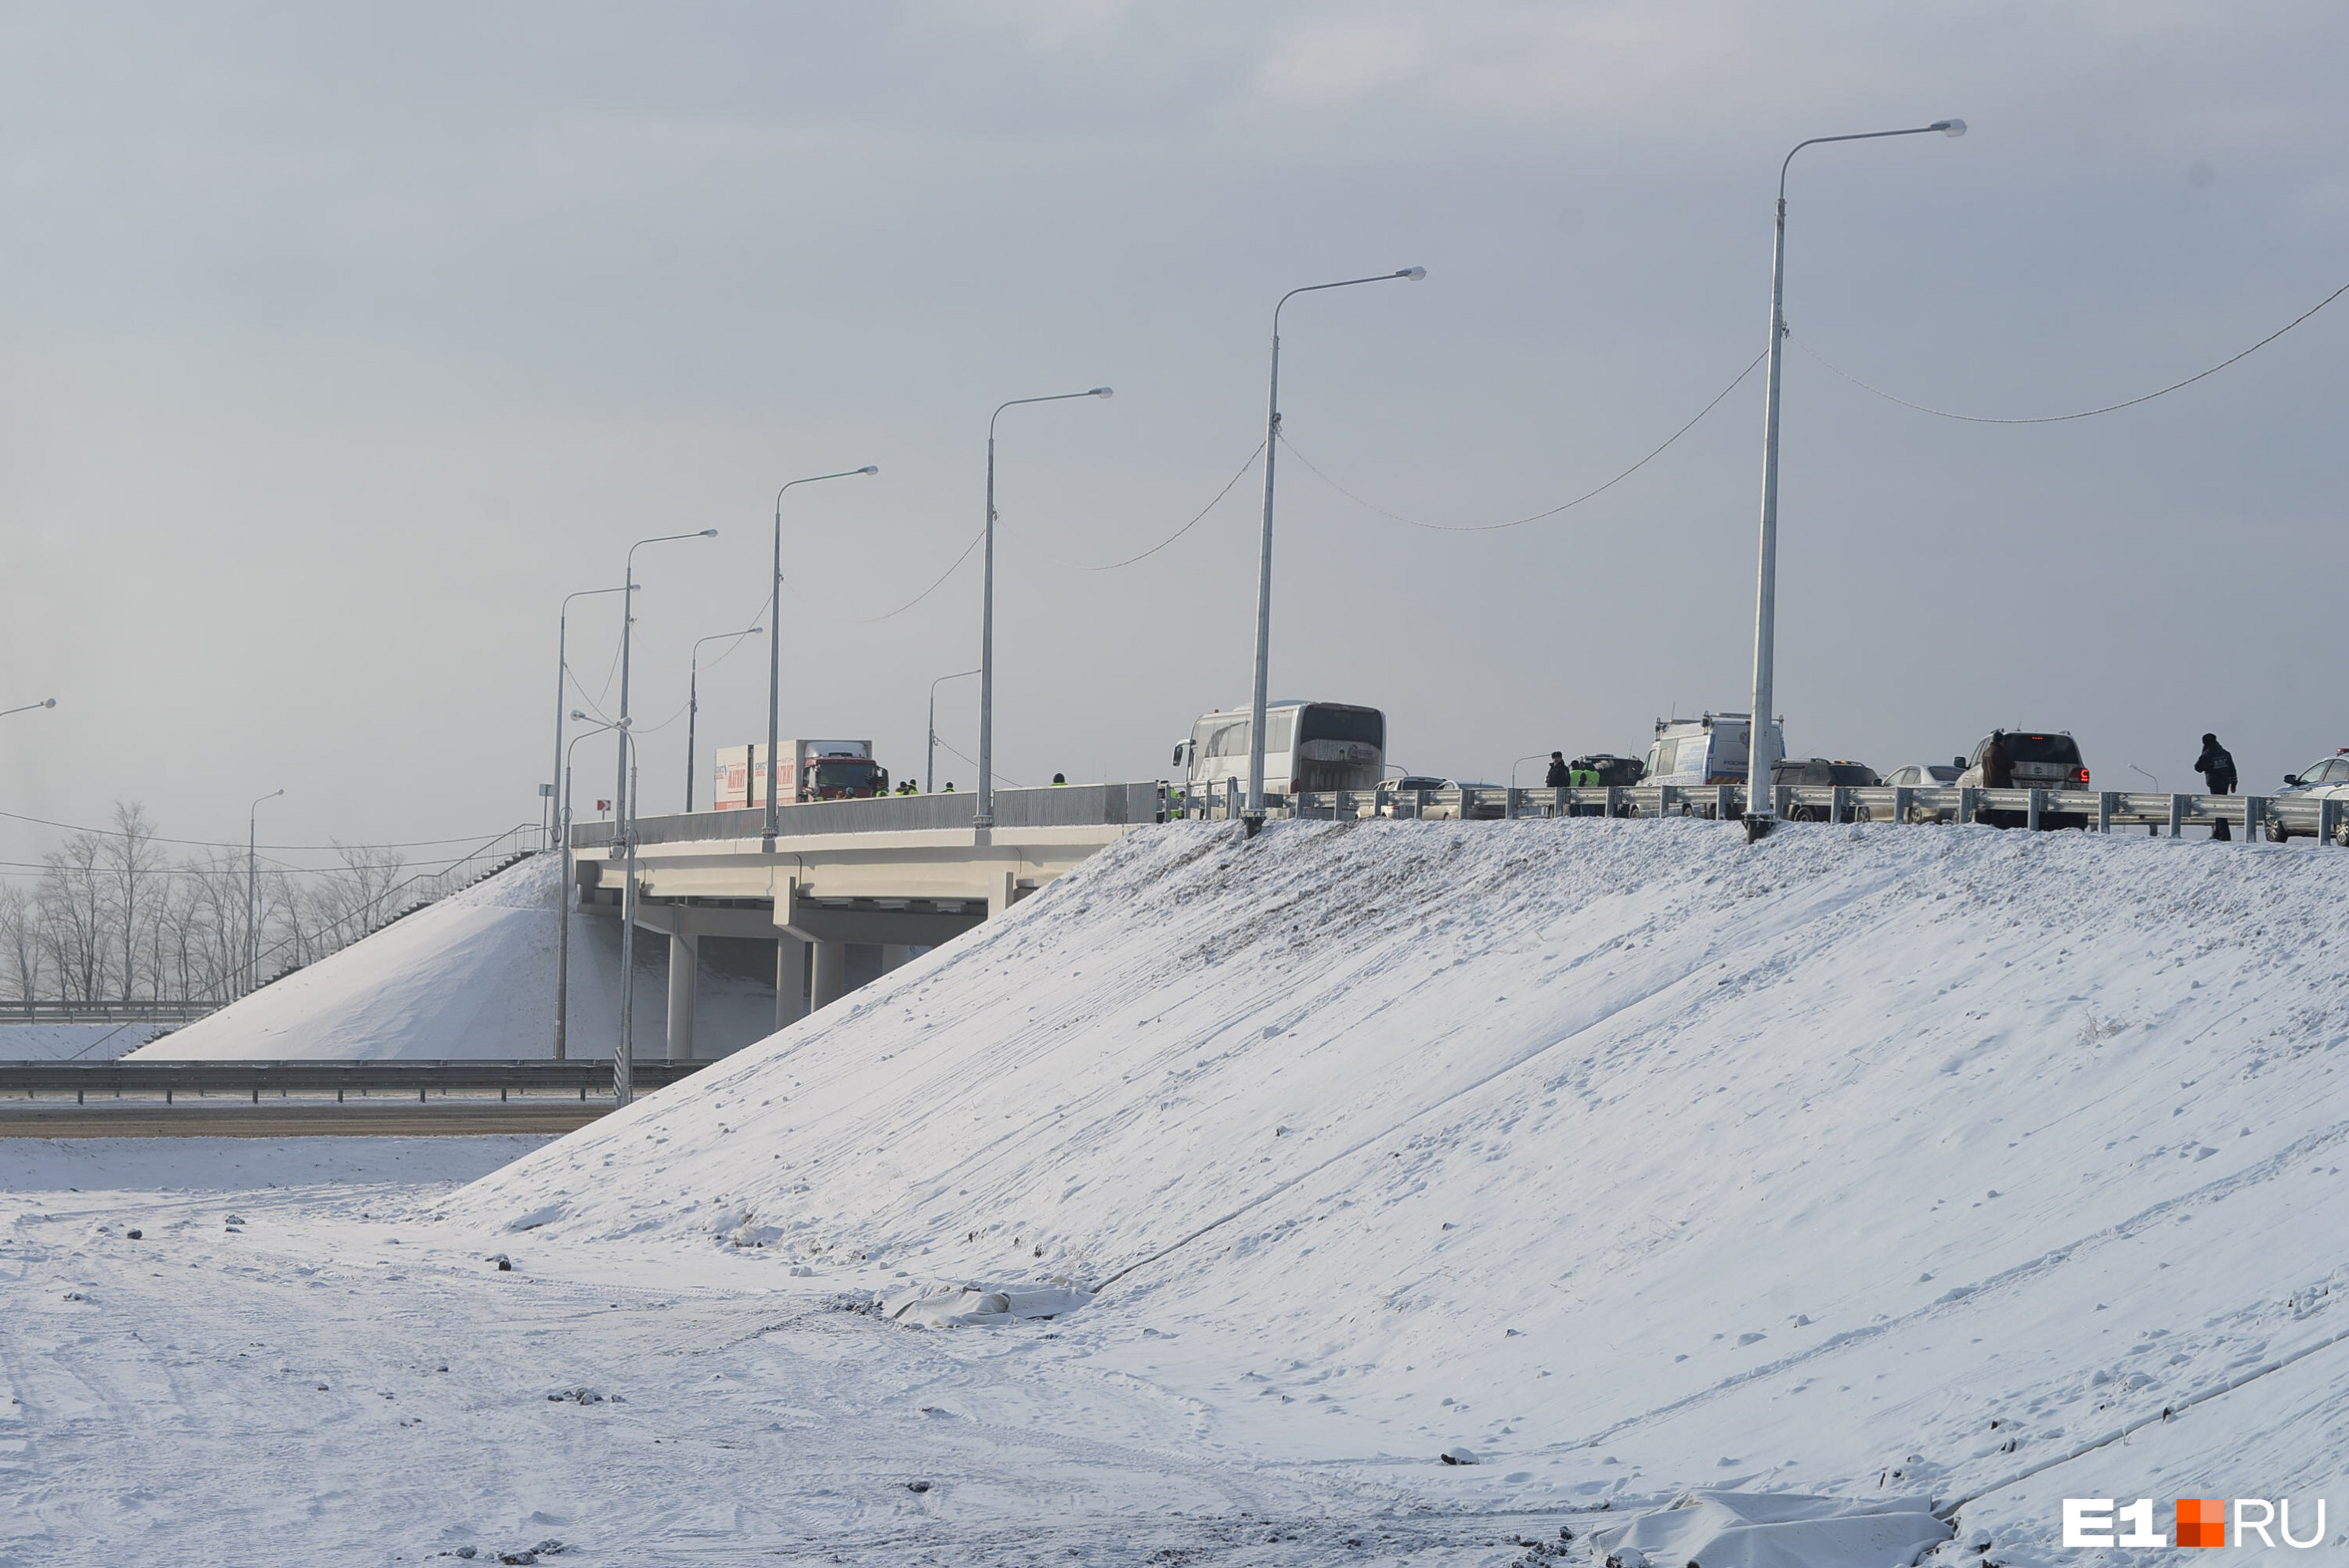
[1708, 749]
[1310, 747]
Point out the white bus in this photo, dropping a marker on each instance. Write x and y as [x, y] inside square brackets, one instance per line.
[1309, 748]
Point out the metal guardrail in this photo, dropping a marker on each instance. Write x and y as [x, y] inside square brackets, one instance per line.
[586, 1078]
[1055, 806]
[64, 1012]
[2257, 816]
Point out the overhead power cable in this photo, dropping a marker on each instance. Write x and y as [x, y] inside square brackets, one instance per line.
[875, 620]
[1187, 527]
[1539, 516]
[2083, 413]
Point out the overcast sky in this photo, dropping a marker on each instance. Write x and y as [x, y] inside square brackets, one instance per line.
[342, 342]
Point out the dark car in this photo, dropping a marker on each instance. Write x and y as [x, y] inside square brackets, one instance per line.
[1614, 772]
[2041, 759]
[1818, 772]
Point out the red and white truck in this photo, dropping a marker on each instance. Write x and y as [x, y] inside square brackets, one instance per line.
[805, 770]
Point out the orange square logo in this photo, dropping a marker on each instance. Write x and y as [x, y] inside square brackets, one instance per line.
[2201, 1522]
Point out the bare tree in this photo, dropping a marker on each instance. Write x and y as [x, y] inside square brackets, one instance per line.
[20, 941]
[75, 924]
[130, 853]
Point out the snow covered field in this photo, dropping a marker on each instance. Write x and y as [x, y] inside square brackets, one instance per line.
[473, 975]
[1617, 1159]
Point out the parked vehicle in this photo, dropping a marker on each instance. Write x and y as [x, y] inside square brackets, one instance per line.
[1487, 808]
[1710, 750]
[1614, 772]
[1818, 772]
[2326, 778]
[1925, 775]
[2041, 759]
[805, 770]
[1310, 747]
[1390, 792]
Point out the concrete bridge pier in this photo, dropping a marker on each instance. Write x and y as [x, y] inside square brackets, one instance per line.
[829, 981]
[791, 979]
[684, 985]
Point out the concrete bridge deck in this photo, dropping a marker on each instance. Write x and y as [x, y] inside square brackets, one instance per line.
[888, 876]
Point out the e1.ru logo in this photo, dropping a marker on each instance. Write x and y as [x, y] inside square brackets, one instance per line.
[2201, 1522]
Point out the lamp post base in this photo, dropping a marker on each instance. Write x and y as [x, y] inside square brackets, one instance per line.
[1252, 823]
[1758, 828]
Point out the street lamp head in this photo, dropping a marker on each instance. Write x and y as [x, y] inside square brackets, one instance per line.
[1948, 127]
[870, 468]
[708, 534]
[48, 702]
[577, 713]
[756, 631]
[1414, 273]
[1100, 392]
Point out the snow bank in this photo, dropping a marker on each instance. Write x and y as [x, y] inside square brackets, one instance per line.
[470, 976]
[1746, 1530]
[1865, 1162]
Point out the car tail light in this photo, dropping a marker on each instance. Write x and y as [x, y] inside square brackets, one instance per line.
[2080, 777]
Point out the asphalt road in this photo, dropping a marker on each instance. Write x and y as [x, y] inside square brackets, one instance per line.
[294, 1118]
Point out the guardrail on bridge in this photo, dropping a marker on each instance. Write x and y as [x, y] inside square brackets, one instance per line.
[2257, 816]
[1054, 806]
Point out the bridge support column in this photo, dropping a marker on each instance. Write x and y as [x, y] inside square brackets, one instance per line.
[830, 981]
[791, 980]
[683, 978]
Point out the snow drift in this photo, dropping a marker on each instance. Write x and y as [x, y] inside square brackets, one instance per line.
[1866, 1161]
[470, 976]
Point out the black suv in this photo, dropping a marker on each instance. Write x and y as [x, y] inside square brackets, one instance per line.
[2040, 759]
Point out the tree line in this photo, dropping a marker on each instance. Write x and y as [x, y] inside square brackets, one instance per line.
[110, 915]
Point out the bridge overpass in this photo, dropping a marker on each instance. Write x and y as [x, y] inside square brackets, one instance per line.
[845, 881]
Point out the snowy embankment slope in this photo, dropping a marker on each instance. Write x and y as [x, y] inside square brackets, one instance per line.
[73, 1042]
[1864, 1159]
[470, 976]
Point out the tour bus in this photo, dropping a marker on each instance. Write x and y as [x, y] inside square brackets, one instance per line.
[1310, 747]
[1711, 749]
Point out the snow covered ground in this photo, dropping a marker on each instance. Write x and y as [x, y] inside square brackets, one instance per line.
[63, 1042]
[1620, 1160]
[473, 975]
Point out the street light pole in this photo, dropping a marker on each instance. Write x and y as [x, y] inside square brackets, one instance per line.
[562, 664]
[775, 645]
[1762, 736]
[624, 799]
[251, 886]
[983, 814]
[693, 698]
[563, 895]
[1254, 812]
[930, 756]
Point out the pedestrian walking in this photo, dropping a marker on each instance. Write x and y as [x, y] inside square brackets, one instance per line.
[1997, 764]
[2217, 765]
[1559, 775]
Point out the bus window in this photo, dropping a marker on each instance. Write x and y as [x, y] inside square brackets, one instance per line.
[1363, 726]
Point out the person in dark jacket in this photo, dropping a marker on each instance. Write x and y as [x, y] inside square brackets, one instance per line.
[1998, 768]
[1557, 777]
[2217, 767]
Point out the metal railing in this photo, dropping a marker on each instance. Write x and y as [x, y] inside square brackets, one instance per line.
[197, 1079]
[2256, 816]
[1056, 806]
[65, 1012]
